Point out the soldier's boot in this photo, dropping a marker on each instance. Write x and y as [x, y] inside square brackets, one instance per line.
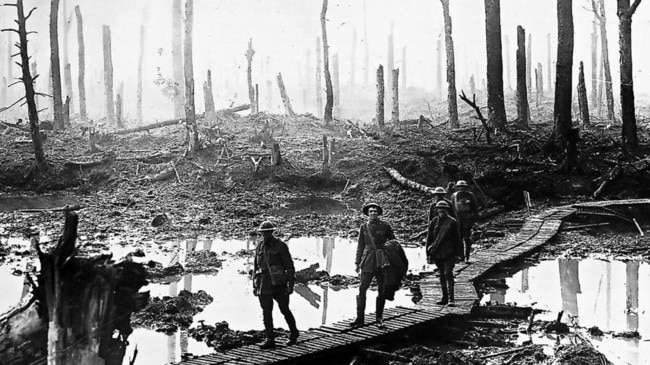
[269, 343]
[379, 314]
[361, 312]
[445, 294]
[293, 330]
[468, 248]
[450, 287]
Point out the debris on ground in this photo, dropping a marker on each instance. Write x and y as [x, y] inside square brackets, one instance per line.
[168, 314]
[221, 337]
[202, 261]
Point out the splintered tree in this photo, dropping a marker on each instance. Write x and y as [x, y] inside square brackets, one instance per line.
[329, 103]
[522, 90]
[451, 68]
[28, 81]
[629, 133]
[67, 70]
[565, 135]
[208, 96]
[57, 98]
[250, 52]
[82, 63]
[582, 97]
[380, 96]
[599, 13]
[190, 112]
[108, 75]
[594, 63]
[319, 91]
[496, 106]
[139, 81]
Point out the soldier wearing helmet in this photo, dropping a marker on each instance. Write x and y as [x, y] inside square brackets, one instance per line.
[274, 279]
[439, 194]
[370, 260]
[443, 246]
[466, 206]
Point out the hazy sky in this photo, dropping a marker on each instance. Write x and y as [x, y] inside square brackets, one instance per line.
[284, 31]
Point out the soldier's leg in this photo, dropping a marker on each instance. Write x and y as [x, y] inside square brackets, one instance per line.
[381, 300]
[283, 304]
[366, 279]
[449, 264]
[443, 282]
[266, 302]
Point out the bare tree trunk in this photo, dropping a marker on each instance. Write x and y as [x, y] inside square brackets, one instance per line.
[208, 96]
[496, 105]
[188, 67]
[508, 63]
[329, 103]
[601, 85]
[319, 72]
[404, 68]
[118, 110]
[594, 63]
[451, 68]
[285, 98]
[380, 96]
[395, 87]
[599, 12]
[523, 109]
[140, 70]
[353, 54]
[177, 57]
[563, 84]
[629, 133]
[529, 62]
[390, 64]
[326, 159]
[34, 71]
[582, 97]
[249, 75]
[472, 85]
[108, 75]
[81, 82]
[67, 71]
[439, 65]
[549, 65]
[57, 97]
[540, 79]
[28, 82]
[366, 48]
[336, 86]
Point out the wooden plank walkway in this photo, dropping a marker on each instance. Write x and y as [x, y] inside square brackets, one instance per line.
[317, 343]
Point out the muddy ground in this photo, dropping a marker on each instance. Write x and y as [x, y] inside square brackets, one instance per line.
[219, 192]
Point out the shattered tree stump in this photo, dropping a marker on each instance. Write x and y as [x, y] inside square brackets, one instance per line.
[76, 306]
[285, 97]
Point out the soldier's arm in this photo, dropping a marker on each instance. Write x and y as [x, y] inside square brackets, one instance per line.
[361, 244]
[390, 235]
[287, 262]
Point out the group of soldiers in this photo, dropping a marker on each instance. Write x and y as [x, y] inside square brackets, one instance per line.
[449, 240]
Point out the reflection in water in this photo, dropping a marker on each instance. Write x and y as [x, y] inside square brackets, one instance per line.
[597, 293]
[569, 285]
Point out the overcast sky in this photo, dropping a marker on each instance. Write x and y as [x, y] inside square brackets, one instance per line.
[284, 31]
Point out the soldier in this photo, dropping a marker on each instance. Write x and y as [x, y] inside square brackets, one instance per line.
[466, 208]
[274, 279]
[370, 259]
[443, 246]
[439, 194]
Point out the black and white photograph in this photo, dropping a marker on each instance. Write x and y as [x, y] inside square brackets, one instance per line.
[324, 182]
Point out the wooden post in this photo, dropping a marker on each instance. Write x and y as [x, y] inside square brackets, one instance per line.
[177, 57]
[329, 102]
[57, 97]
[582, 97]
[108, 75]
[81, 82]
[188, 68]
[140, 69]
[395, 87]
[250, 52]
[336, 86]
[380, 96]
[319, 90]
[285, 98]
[522, 95]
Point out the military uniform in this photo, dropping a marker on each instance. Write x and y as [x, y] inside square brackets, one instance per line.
[443, 246]
[466, 207]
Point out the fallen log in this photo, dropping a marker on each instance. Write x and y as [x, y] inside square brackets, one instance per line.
[387, 355]
[506, 352]
[91, 163]
[583, 226]
[609, 177]
[47, 210]
[234, 109]
[147, 127]
[15, 126]
[408, 183]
